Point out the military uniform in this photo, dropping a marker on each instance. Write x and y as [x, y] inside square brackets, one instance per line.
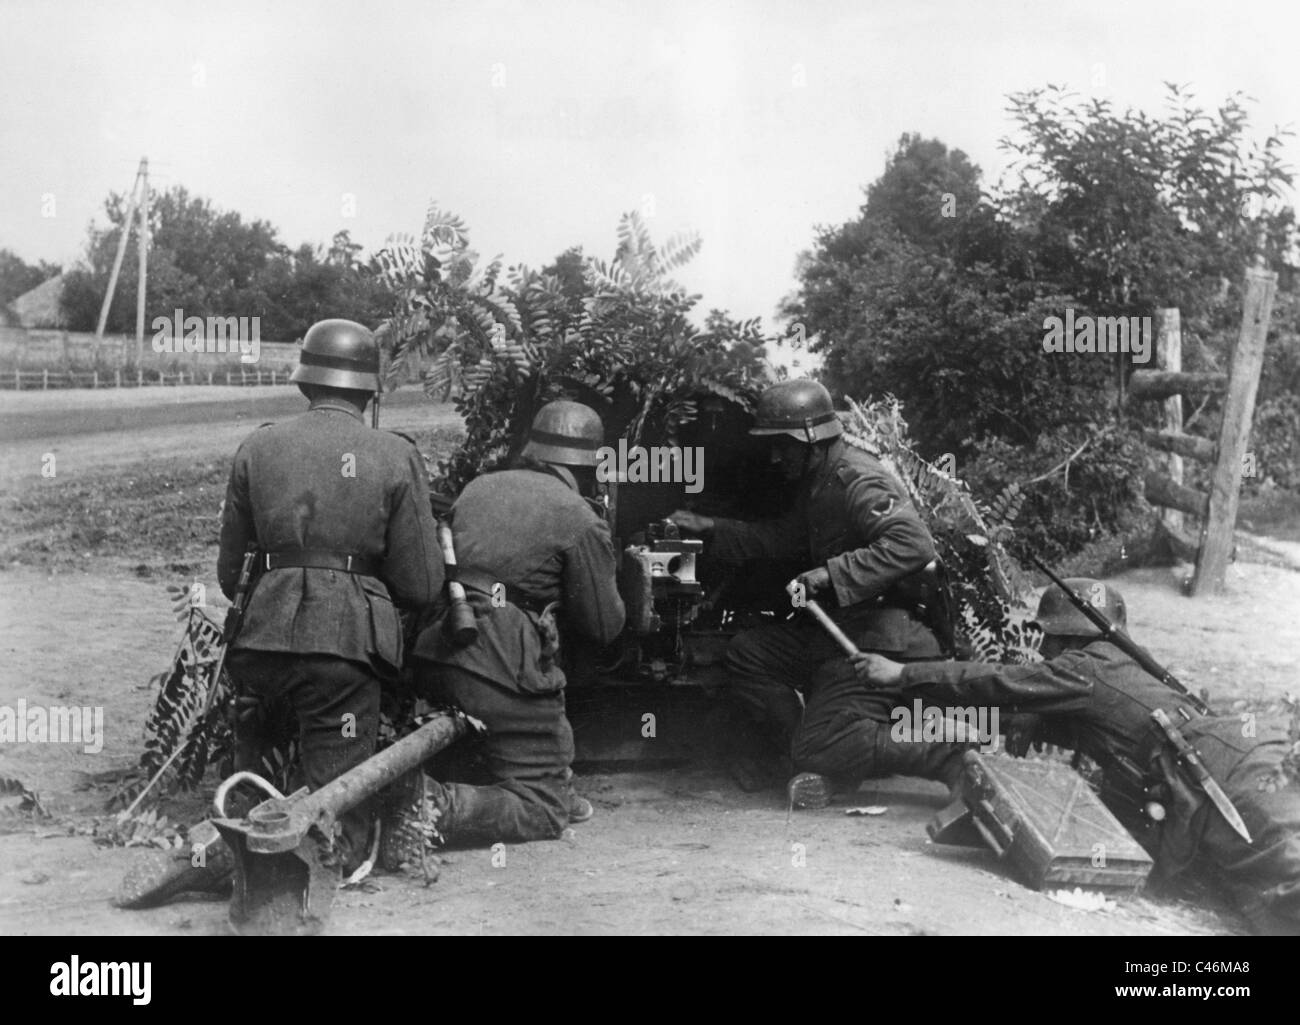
[529, 532]
[1099, 701]
[855, 519]
[341, 515]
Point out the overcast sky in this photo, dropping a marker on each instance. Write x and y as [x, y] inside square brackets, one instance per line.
[539, 123]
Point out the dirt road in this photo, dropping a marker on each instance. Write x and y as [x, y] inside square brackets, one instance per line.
[678, 851]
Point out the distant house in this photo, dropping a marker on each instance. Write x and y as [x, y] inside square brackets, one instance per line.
[41, 307]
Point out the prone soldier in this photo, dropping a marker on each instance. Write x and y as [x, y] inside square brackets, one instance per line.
[1096, 698]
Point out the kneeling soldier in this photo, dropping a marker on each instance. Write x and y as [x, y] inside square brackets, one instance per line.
[527, 544]
[341, 518]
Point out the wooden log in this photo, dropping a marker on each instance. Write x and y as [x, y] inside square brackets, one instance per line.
[1161, 384]
[1160, 490]
[1238, 410]
[1185, 445]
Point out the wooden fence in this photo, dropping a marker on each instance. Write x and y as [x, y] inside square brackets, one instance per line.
[1217, 510]
[45, 380]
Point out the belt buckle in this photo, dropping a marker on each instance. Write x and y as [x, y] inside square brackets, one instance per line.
[267, 558]
[347, 564]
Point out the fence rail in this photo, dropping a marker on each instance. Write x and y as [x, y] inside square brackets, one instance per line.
[44, 380]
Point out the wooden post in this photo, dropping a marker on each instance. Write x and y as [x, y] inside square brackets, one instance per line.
[143, 243]
[1238, 410]
[117, 378]
[1169, 356]
[94, 381]
[209, 378]
[139, 377]
[117, 260]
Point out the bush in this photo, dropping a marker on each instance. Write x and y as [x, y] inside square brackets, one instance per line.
[1080, 484]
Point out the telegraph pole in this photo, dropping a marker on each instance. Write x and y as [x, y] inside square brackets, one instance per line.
[143, 242]
[121, 251]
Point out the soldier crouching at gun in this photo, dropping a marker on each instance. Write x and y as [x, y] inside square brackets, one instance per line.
[872, 557]
[527, 544]
[1189, 785]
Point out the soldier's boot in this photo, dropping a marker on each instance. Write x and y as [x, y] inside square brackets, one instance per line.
[813, 790]
[408, 824]
[206, 865]
[580, 809]
[809, 790]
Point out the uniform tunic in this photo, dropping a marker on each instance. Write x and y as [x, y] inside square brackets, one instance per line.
[320, 638]
[529, 532]
[1100, 701]
[855, 519]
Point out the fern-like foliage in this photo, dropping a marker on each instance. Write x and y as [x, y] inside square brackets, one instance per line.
[177, 723]
[504, 341]
[992, 595]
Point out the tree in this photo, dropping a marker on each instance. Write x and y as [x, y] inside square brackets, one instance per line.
[505, 342]
[18, 276]
[1111, 214]
[209, 262]
[1137, 212]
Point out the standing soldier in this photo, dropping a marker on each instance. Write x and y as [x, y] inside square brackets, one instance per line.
[870, 558]
[1095, 698]
[341, 518]
[526, 543]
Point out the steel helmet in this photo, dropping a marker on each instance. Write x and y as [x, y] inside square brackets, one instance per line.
[1057, 615]
[565, 432]
[339, 354]
[801, 409]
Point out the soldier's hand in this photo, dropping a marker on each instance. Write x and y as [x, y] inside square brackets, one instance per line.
[1021, 734]
[876, 669]
[814, 581]
[692, 521]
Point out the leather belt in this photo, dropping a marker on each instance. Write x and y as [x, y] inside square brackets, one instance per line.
[321, 558]
[486, 583]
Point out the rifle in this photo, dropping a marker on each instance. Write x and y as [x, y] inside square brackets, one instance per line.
[1121, 640]
[1186, 753]
[230, 630]
[234, 620]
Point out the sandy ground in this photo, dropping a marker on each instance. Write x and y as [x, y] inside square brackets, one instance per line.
[679, 851]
